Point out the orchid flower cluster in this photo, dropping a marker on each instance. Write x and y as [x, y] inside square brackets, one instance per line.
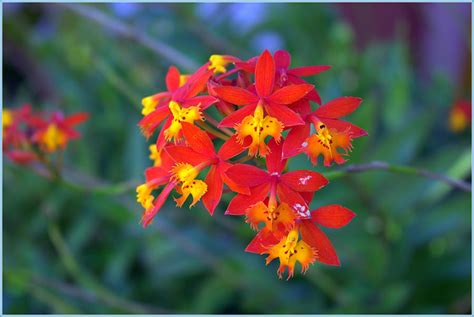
[28, 136]
[265, 113]
[459, 118]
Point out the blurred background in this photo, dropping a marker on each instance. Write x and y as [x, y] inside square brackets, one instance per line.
[70, 249]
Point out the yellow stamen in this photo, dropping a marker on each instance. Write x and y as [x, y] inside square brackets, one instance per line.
[218, 63]
[7, 118]
[258, 128]
[53, 138]
[326, 142]
[289, 250]
[181, 114]
[273, 217]
[144, 196]
[155, 155]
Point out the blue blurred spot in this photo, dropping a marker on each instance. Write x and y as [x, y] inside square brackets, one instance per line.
[267, 40]
[246, 16]
[124, 9]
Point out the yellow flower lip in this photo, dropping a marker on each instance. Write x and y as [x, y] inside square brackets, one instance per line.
[326, 142]
[196, 188]
[274, 217]
[181, 114]
[218, 63]
[149, 105]
[186, 174]
[144, 196]
[258, 127]
[289, 250]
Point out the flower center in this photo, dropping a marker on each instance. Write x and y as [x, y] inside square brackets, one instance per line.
[258, 127]
[181, 114]
[53, 138]
[323, 134]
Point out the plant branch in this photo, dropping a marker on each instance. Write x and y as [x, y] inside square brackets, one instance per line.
[215, 123]
[118, 27]
[82, 277]
[91, 297]
[83, 183]
[400, 169]
[209, 128]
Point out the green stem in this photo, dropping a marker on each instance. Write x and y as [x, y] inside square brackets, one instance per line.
[399, 169]
[207, 127]
[83, 278]
[124, 30]
[117, 81]
[215, 123]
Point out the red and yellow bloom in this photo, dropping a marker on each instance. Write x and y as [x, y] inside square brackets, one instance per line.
[265, 111]
[55, 133]
[332, 138]
[29, 136]
[259, 99]
[460, 116]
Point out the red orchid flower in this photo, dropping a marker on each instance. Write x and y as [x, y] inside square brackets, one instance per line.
[174, 173]
[460, 115]
[201, 149]
[179, 104]
[16, 143]
[305, 242]
[156, 177]
[259, 98]
[265, 111]
[287, 187]
[13, 120]
[286, 76]
[173, 81]
[332, 133]
[56, 132]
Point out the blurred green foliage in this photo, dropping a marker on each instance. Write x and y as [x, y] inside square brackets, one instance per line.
[407, 251]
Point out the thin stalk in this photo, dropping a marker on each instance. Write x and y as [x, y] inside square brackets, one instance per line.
[120, 28]
[207, 127]
[83, 278]
[117, 81]
[399, 169]
[215, 123]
